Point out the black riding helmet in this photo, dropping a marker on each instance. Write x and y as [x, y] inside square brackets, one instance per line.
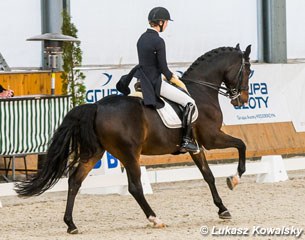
[159, 14]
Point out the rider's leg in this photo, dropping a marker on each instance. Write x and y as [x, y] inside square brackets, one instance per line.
[188, 144]
[172, 93]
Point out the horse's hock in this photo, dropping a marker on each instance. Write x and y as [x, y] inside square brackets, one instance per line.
[260, 139]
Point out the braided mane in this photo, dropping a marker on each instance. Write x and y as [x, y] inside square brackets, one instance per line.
[209, 55]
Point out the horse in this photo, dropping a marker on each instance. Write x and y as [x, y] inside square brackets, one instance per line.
[126, 128]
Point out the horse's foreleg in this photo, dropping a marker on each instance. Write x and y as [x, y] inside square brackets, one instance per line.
[222, 140]
[135, 188]
[242, 156]
[204, 168]
[75, 181]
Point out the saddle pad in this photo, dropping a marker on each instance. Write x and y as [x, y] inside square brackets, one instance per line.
[170, 118]
[167, 114]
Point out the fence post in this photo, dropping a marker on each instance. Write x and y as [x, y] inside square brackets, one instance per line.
[277, 171]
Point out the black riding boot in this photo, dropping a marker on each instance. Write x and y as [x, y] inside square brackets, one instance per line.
[188, 144]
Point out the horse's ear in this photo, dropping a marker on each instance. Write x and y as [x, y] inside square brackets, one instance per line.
[237, 47]
[248, 51]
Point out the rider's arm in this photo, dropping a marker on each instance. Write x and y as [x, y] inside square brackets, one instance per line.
[161, 55]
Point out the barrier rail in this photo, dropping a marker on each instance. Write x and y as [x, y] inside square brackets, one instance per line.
[27, 123]
[260, 139]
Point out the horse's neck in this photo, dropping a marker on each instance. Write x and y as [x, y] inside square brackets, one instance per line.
[201, 93]
[205, 72]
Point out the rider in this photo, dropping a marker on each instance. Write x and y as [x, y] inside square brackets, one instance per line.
[152, 63]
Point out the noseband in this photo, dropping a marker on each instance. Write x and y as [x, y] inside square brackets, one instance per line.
[235, 92]
[232, 93]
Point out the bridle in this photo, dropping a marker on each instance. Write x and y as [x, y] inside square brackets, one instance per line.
[232, 93]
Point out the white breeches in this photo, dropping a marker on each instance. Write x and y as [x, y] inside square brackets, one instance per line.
[174, 94]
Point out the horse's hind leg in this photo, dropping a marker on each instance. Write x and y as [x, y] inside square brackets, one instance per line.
[204, 168]
[75, 181]
[135, 188]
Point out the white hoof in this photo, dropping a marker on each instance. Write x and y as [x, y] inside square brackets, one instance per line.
[157, 223]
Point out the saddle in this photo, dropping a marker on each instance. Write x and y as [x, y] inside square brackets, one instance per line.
[171, 114]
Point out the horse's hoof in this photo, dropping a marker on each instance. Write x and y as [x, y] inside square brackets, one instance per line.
[232, 182]
[225, 215]
[72, 231]
[157, 223]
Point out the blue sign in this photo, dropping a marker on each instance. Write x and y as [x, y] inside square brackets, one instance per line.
[258, 96]
[96, 94]
[111, 160]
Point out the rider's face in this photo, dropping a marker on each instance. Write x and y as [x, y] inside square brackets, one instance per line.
[165, 25]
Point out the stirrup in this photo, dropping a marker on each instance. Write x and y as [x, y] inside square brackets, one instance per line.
[189, 146]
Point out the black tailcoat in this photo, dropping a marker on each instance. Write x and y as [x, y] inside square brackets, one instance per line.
[152, 62]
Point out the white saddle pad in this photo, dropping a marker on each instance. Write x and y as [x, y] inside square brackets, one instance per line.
[168, 115]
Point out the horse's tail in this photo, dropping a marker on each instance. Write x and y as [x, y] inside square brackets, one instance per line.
[75, 137]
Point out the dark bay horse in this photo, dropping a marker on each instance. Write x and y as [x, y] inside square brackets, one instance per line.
[125, 128]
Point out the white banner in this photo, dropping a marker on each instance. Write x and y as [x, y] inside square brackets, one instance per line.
[266, 103]
[276, 93]
[293, 86]
[101, 82]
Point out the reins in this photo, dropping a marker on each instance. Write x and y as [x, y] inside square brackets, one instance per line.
[232, 93]
[212, 86]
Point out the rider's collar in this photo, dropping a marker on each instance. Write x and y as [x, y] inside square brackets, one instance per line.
[152, 29]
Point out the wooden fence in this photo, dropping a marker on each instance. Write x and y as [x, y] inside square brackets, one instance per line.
[30, 83]
[260, 139]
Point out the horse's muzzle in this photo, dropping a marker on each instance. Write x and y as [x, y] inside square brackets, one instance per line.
[241, 99]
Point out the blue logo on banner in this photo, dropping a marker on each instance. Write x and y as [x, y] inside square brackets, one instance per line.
[94, 95]
[258, 95]
[109, 76]
[111, 160]
[258, 100]
[98, 164]
[180, 73]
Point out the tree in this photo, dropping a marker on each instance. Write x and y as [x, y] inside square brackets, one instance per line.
[72, 78]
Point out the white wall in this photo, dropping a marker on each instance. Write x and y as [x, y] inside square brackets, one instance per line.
[19, 21]
[295, 29]
[109, 29]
